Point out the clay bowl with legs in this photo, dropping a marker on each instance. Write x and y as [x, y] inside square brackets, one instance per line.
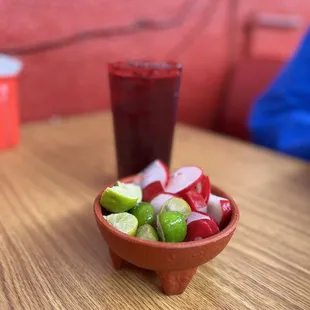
[174, 263]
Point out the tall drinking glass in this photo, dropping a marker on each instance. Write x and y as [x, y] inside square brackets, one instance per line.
[144, 99]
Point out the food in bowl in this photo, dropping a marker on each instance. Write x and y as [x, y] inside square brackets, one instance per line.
[161, 206]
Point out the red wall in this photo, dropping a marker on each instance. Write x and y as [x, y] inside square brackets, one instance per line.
[73, 79]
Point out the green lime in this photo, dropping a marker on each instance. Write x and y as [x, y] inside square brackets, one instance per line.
[132, 187]
[147, 232]
[176, 204]
[171, 226]
[144, 212]
[124, 222]
[120, 198]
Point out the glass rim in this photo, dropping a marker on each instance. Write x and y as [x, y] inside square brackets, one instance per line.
[146, 64]
[145, 69]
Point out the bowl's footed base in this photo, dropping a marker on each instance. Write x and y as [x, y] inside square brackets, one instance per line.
[116, 260]
[173, 282]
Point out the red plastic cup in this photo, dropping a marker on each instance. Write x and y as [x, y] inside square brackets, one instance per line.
[144, 99]
[10, 68]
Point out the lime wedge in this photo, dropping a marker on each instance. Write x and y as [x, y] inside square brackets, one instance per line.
[124, 222]
[147, 232]
[120, 198]
[136, 190]
[144, 212]
[171, 226]
[176, 204]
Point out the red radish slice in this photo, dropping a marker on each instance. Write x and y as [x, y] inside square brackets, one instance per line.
[213, 225]
[219, 208]
[198, 230]
[204, 187]
[152, 190]
[201, 229]
[156, 171]
[184, 179]
[159, 201]
[196, 216]
[195, 201]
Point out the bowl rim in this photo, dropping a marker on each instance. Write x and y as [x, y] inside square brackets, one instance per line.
[229, 229]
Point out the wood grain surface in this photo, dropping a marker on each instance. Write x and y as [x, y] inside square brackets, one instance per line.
[53, 257]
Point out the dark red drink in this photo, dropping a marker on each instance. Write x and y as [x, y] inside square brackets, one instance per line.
[144, 103]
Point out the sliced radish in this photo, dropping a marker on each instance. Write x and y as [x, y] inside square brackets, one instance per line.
[152, 190]
[213, 225]
[159, 201]
[204, 187]
[195, 201]
[184, 179]
[219, 208]
[196, 216]
[201, 229]
[156, 171]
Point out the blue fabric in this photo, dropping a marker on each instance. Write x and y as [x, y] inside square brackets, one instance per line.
[280, 118]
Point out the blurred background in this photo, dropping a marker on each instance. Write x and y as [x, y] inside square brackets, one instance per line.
[222, 44]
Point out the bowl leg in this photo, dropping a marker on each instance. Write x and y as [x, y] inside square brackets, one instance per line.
[174, 282]
[116, 260]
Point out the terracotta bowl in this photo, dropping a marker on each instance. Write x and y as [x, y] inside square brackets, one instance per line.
[174, 263]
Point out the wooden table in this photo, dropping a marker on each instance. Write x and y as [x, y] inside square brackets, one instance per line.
[52, 255]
